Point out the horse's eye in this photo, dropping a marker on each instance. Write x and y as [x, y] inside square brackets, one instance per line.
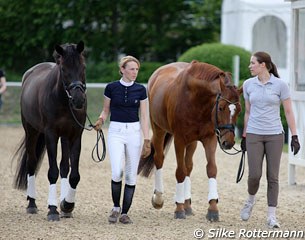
[220, 109]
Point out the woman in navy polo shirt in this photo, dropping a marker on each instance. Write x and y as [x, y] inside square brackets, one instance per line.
[123, 99]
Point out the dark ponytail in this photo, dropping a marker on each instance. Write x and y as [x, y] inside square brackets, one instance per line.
[273, 70]
[265, 57]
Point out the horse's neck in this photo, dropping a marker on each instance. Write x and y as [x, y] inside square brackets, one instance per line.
[56, 83]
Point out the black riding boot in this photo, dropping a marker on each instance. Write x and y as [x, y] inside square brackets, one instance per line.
[116, 192]
[128, 195]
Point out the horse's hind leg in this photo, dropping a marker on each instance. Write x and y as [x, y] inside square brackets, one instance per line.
[64, 182]
[190, 149]
[34, 144]
[159, 140]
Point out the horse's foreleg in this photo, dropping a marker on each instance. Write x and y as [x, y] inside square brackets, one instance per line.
[66, 211]
[64, 168]
[68, 203]
[53, 173]
[213, 213]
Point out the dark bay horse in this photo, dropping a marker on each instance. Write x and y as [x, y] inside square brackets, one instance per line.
[189, 102]
[53, 106]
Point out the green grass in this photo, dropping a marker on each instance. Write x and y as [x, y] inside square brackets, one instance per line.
[10, 111]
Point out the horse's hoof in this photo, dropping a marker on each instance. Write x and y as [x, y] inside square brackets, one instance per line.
[179, 215]
[212, 216]
[157, 200]
[66, 207]
[66, 215]
[32, 207]
[189, 212]
[53, 214]
[31, 210]
[53, 217]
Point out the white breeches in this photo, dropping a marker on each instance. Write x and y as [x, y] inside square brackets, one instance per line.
[124, 147]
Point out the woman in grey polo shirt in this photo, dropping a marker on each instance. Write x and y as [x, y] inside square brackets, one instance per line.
[263, 134]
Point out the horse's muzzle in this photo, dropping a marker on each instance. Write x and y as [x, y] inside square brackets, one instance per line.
[78, 103]
[227, 145]
[78, 98]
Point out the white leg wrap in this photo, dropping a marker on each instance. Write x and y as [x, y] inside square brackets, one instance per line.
[213, 194]
[71, 195]
[179, 198]
[31, 189]
[52, 200]
[64, 186]
[159, 181]
[187, 188]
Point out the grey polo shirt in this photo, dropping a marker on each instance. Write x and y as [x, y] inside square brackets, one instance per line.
[265, 101]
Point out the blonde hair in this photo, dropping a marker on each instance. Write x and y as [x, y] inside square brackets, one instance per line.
[125, 60]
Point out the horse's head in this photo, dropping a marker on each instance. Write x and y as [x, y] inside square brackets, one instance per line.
[225, 113]
[70, 59]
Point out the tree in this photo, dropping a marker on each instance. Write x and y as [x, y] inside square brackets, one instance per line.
[150, 30]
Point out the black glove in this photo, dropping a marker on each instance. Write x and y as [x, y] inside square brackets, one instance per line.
[295, 145]
[243, 144]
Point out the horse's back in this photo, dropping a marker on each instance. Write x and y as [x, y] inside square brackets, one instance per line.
[164, 82]
[39, 71]
[166, 74]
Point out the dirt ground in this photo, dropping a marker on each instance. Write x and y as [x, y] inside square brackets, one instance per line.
[93, 201]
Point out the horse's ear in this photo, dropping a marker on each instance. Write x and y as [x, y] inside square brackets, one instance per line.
[80, 47]
[228, 78]
[59, 50]
[194, 61]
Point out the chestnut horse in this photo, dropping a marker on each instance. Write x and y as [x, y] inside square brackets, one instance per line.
[189, 102]
[53, 106]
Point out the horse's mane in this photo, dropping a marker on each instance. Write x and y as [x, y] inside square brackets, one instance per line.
[71, 55]
[204, 71]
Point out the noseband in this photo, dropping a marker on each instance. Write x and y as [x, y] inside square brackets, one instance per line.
[230, 127]
[73, 86]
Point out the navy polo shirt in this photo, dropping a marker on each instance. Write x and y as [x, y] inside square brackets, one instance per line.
[125, 101]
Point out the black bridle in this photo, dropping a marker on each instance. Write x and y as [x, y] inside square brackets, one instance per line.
[99, 133]
[73, 86]
[218, 127]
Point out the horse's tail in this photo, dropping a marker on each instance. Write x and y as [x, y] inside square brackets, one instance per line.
[20, 181]
[146, 165]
